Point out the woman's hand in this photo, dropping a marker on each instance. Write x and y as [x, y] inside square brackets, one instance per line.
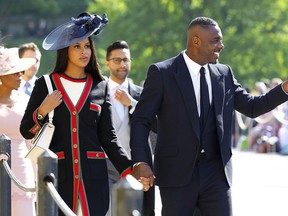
[51, 101]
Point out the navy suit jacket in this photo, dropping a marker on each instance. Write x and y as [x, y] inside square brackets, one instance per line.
[168, 93]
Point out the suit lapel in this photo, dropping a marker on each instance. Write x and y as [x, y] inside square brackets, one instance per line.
[185, 85]
[132, 91]
[218, 88]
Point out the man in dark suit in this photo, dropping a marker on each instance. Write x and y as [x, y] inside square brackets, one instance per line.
[192, 161]
[124, 95]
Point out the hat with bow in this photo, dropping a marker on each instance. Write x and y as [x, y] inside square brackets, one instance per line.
[75, 31]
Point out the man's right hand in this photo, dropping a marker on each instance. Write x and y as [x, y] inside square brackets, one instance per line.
[143, 173]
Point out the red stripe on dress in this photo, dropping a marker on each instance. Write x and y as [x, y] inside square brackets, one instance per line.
[62, 90]
[74, 138]
[95, 154]
[95, 107]
[84, 200]
[37, 126]
[126, 172]
[60, 155]
[85, 93]
[64, 76]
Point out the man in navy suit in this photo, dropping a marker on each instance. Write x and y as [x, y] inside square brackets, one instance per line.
[192, 161]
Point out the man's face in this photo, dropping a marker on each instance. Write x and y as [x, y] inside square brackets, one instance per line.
[210, 44]
[32, 71]
[119, 64]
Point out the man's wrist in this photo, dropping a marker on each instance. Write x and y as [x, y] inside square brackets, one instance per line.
[132, 104]
[284, 87]
[139, 163]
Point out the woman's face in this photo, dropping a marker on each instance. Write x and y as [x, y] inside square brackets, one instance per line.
[79, 54]
[11, 81]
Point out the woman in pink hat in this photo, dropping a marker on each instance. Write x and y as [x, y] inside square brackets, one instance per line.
[82, 117]
[12, 108]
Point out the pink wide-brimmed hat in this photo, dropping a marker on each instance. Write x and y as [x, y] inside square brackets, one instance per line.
[11, 63]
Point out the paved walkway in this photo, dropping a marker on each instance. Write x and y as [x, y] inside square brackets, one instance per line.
[260, 185]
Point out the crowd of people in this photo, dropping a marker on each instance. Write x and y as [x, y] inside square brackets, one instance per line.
[267, 133]
[34, 29]
[104, 126]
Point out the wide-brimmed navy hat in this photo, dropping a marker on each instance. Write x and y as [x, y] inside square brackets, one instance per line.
[75, 31]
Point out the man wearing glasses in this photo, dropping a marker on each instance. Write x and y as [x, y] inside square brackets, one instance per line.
[124, 96]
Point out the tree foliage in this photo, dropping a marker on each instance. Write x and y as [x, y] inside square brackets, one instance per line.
[42, 8]
[254, 32]
[22, 7]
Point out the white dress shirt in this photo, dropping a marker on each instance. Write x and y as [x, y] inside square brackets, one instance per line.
[194, 70]
[113, 86]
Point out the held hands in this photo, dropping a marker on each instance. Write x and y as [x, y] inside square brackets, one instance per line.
[51, 101]
[144, 174]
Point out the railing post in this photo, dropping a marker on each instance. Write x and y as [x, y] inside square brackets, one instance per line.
[127, 197]
[47, 171]
[5, 182]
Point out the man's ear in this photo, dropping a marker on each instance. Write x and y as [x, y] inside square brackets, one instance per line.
[107, 64]
[196, 41]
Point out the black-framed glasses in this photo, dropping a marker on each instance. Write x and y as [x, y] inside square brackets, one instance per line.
[119, 60]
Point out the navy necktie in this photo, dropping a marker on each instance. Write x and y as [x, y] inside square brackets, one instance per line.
[204, 99]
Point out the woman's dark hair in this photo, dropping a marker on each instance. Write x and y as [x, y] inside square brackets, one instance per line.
[92, 68]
